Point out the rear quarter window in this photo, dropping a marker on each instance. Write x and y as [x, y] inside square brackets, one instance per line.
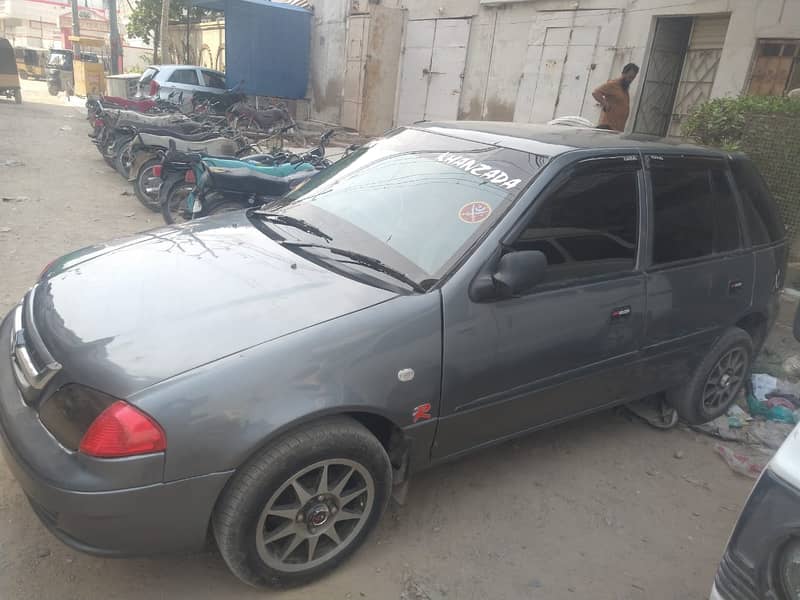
[761, 214]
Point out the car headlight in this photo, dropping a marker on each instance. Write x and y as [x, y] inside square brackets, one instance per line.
[96, 424]
[790, 570]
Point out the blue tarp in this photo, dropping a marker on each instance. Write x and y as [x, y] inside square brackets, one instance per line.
[266, 46]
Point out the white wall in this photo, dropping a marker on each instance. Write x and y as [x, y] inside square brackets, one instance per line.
[328, 38]
[506, 35]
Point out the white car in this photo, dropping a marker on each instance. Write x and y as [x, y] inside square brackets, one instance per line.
[762, 560]
[159, 81]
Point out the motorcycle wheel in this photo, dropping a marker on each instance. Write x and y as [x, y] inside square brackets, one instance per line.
[147, 185]
[173, 208]
[224, 206]
[123, 158]
[52, 89]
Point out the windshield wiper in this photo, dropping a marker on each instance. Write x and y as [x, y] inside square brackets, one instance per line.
[281, 219]
[362, 259]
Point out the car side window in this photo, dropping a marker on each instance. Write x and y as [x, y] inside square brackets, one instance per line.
[695, 212]
[588, 226]
[761, 215]
[213, 80]
[185, 76]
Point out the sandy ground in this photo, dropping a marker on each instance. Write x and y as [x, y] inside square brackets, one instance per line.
[598, 508]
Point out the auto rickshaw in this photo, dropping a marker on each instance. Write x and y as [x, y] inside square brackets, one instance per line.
[9, 78]
[59, 72]
[31, 62]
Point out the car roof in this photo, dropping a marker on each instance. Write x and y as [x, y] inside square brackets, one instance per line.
[552, 140]
[168, 67]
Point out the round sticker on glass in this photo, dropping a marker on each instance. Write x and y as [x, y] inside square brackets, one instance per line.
[474, 212]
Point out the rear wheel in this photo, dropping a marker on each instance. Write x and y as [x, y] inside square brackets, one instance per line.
[147, 185]
[717, 380]
[303, 504]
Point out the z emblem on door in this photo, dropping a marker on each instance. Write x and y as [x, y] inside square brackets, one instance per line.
[421, 413]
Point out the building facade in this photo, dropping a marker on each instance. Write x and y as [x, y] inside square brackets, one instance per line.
[375, 65]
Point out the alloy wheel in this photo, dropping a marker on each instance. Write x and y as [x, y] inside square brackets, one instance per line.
[725, 379]
[315, 515]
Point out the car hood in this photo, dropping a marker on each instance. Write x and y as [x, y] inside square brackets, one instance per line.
[126, 315]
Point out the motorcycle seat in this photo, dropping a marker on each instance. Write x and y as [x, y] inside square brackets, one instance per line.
[247, 180]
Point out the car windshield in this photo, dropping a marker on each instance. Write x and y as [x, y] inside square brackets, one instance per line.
[415, 200]
[58, 59]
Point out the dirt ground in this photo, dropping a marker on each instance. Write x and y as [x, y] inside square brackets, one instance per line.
[599, 508]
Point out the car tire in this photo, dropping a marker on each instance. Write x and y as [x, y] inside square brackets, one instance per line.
[717, 380]
[248, 525]
[140, 185]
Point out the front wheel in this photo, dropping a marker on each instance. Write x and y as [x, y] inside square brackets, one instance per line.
[52, 89]
[173, 202]
[147, 185]
[303, 504]
[717, 380]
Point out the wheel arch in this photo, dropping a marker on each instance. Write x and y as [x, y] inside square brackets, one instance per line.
[755, 324]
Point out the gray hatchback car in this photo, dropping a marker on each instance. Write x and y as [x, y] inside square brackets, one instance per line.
[268, 375]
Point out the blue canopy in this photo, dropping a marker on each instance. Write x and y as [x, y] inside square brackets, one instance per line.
[267, 46]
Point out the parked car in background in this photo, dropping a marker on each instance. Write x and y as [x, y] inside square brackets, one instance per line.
[449, 286]
[762, 559]
[158, 81]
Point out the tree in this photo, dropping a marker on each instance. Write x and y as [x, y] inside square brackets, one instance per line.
[145, 20]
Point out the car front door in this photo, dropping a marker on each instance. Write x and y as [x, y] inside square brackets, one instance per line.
[699, 276]
[567, 346]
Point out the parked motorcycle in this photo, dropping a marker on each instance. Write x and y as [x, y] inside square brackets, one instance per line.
[147, 151]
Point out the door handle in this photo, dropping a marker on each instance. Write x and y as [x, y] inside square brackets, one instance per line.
[622, 312]
[734, 286]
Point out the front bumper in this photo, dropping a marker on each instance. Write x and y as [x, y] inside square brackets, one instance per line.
[112, 507]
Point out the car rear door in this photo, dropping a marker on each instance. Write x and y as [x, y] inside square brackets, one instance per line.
[566, 347]
[699, 274]
[184, 81]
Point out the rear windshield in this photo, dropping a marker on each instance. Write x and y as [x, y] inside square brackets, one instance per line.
[57, 59]
[148, 75]
[761, 214]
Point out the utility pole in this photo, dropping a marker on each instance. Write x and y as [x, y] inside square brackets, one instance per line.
[162, 32]
[76, 28]
[114, 34]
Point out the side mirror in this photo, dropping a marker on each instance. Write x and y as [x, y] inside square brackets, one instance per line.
[519, 272]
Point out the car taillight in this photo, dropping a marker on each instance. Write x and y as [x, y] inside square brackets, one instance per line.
[123, 430]
[189, 177]
[154, 87]
[157, 169]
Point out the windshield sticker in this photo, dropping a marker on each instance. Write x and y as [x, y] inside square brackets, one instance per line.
[474, 212]
[475, 167]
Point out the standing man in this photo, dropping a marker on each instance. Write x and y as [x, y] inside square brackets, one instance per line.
[615, 100]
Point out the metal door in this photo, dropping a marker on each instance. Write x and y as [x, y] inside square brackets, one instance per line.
[433, 70]
[353, 92]
[662, 75]
[699, 67]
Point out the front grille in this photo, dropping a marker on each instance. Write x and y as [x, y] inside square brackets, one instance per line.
[732, 581]
[33, 364]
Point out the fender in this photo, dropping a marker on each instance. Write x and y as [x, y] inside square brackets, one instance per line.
[141, 155]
